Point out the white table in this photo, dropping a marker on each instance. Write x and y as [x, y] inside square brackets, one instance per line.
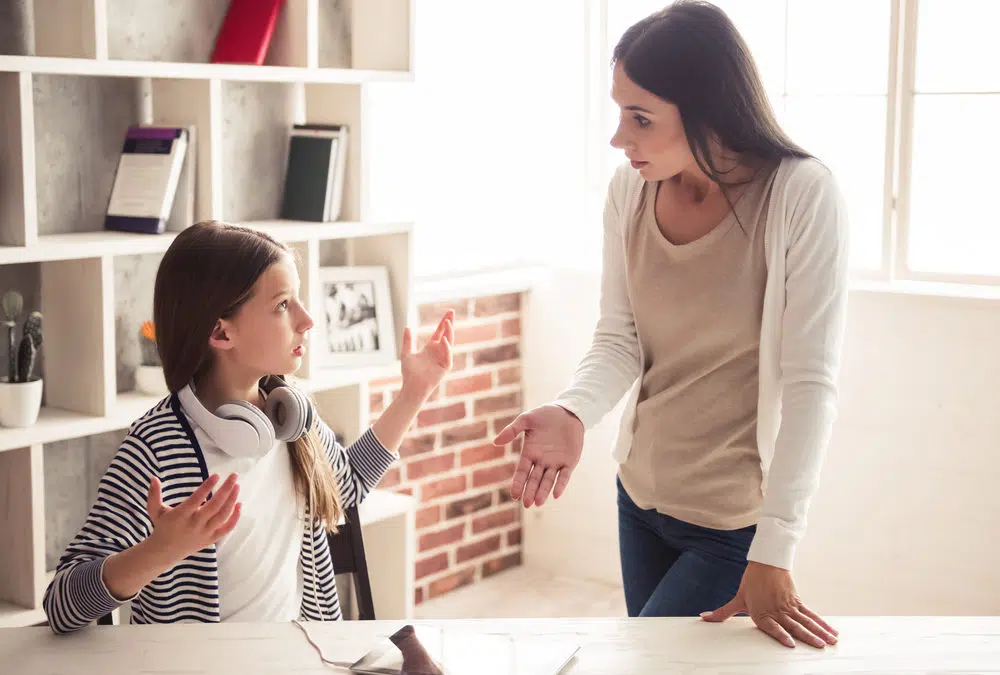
[896, 645]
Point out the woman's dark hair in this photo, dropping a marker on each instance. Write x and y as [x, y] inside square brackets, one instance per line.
[691, 55]
[208, 273]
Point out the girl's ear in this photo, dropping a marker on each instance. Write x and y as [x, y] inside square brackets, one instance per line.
[220, 337]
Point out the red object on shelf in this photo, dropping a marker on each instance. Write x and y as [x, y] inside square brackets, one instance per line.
[246, 31]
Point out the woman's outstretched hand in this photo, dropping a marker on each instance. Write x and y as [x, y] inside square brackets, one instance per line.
[553, 443]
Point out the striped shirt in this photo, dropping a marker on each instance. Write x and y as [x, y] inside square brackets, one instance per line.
[161, 443]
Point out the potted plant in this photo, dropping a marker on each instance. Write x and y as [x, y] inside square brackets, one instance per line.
[21, 388]
[149, 378]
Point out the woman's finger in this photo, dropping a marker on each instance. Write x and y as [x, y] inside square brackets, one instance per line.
[545, 486]
[818, 619]
[814, 627]
[800, 632]
[774, 629]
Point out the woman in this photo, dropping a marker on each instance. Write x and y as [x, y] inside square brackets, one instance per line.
[723, 306]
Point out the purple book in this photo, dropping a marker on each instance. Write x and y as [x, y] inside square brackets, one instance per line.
[146, 179]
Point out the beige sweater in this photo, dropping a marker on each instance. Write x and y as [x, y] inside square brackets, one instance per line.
[801, 337]
[697, 313]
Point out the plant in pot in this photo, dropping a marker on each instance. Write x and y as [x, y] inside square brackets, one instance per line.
[20, 388]
[149, 377]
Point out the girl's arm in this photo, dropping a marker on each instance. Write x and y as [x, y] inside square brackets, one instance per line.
[359, 467]
[117, 522]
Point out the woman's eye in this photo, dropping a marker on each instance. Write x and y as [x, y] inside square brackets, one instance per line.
[642, 121]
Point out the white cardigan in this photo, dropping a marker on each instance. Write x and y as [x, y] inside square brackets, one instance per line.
[801, 335]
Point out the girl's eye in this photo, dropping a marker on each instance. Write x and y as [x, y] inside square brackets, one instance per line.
[283, 306]
[642, 121]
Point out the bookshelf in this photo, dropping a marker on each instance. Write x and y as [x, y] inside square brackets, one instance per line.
[66, 98]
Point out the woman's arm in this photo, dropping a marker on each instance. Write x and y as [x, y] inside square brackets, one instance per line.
[812, 335]
[611, 365]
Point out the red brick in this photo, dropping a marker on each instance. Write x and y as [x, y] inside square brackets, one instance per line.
[491, 404]
[495, 520]
[497, 565]
[510, 327]
[418, 596]
[459, 361]
[498, 304]
[442, 488]
[514, 537]
[408, 490]
[416, 469]
[417, 445]
[500, 422]
[451, 582]
[493, 475]
[449, 535]
[385, 382]
[509, 375]
[481, 453]
[465, 335]
[441, 414]
[375, 402]
[463, 507]
[427, 516]
[469, 384]
[499, 354]
[463, 434]
[478, 549]
[430, 314]
[432, 565]
[392, 478]
[515, 446]
[503, 495]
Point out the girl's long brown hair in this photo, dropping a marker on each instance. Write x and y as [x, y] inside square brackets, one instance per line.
[208, 273]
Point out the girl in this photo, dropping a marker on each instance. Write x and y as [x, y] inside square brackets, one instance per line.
[167, 532]
[723, 307]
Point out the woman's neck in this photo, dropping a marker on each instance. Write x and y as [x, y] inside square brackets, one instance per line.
[221, 384]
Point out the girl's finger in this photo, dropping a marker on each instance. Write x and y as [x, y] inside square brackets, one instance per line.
[224, 510]
[228, 526]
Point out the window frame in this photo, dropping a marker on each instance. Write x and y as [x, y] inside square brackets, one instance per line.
[901, 95]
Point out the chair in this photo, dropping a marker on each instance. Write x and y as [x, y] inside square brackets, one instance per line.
[347, 549]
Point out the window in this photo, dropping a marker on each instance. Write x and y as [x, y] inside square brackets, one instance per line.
[953, 229]
[830, 99]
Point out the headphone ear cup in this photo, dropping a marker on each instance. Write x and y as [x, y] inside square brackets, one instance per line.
[284, 407]
[255, 437]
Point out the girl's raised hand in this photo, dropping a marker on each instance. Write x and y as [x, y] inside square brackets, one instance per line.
[423, 370]
[194, 524]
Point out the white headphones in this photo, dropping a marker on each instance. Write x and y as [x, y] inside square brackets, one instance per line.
[243, 430]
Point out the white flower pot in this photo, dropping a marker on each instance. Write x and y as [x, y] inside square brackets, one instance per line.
[151, 381]
[20, 402]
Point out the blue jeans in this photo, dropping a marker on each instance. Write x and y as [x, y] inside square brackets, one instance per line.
[673, 568]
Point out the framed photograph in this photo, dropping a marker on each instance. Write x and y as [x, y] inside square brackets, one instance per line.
[355, 321]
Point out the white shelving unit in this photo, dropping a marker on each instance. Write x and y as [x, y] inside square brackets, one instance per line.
[76, 261]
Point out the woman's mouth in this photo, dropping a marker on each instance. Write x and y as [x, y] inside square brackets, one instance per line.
[638, 165]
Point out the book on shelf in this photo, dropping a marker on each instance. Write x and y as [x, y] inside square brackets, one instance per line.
[149, 171]
[246, 31]
[314, 174]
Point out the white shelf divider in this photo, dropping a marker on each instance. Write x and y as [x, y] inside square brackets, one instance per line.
[63, 65]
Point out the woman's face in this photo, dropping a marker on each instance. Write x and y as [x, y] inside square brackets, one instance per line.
[650, 130]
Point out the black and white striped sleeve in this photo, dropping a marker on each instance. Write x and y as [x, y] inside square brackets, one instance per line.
[117, 520]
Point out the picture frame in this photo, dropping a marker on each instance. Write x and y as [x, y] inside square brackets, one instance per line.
[355, 325]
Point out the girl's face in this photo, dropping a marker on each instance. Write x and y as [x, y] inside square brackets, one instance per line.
[268, 333]
[649, 130]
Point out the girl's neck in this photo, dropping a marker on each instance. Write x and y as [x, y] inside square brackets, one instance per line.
[220, 384]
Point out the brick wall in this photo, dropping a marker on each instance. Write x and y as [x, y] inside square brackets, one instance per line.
[467, 526]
